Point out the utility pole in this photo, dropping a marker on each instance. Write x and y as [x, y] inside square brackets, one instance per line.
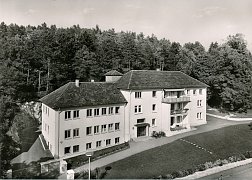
[48, 75]
[39, 81]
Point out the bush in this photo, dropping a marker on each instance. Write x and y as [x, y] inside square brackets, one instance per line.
[159, 134]
[191, 171]
[201, 167]
[168, 176]
[248, 154]
[209, 165]
[232, 159]
[83, 159]
[175, 174]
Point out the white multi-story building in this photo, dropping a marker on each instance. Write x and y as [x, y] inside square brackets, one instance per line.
[79, 117]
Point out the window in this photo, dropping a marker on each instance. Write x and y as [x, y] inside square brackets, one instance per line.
[199, 103]
[89, 130]
[140, 120]
[200, 91]
[199, 115]
[96, 129]
[88, 146]
[194, 91]
[154, 93]
[117, 126]
[110, 127]
[138, 109]
[138, 94]
[89, 112]
[76, 148]
[68, 115]
[104, 128]
[153, 122]
[98, 144]
[153, 107]
[188, 92]
[104, 111]
[110, 110]
[96, 112]
[108, 142]
[117, 140]
[76, 114]
[117, 110]
[67, 150]
[76, 132]
[67, 133]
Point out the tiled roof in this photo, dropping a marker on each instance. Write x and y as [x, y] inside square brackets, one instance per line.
[87, 94]
[150, 79]
[113, 73]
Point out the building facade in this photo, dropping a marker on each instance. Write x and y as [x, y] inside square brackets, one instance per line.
[81, 117]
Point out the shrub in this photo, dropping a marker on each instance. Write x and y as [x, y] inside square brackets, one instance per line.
[209, 165]
[232, 159]
[175, 174]
[159, 134]
[248, 154]
[201, 167]
[168, 176]
[224, 161]
[83, 159]
[240, 157]
[191, 171]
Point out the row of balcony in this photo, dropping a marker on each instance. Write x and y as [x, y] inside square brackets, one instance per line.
[179, 111]
[175, 99]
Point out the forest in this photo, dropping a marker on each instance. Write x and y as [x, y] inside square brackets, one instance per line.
[35, 60]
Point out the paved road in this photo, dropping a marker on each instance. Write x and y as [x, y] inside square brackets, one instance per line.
[137, 147]
[238, 173]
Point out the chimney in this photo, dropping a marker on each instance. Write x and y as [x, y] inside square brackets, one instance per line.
[92, 80]
[77, 83]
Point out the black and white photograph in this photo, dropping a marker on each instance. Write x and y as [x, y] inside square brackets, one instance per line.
[126, 89]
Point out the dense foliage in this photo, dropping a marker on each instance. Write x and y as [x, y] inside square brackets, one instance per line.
[41, 59]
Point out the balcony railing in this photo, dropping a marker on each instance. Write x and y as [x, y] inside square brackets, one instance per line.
[179, 111]
[175, 100]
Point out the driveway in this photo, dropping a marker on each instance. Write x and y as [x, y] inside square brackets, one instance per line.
[137, 147]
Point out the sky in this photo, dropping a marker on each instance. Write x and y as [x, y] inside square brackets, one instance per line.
[182, 21]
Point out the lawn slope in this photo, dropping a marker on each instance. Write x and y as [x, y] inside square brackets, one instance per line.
[180, 155]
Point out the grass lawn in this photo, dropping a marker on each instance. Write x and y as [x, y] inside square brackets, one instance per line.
[180, 155]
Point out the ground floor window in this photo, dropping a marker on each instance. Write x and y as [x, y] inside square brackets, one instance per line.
[67, 150]
[88, 146]
[108, 142]
[76, 148]
[98, 144]
[117, 140]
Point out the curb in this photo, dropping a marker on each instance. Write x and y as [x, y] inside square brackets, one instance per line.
[229, 118]
[217, 169]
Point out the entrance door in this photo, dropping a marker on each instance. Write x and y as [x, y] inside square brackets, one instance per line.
[141, 131]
